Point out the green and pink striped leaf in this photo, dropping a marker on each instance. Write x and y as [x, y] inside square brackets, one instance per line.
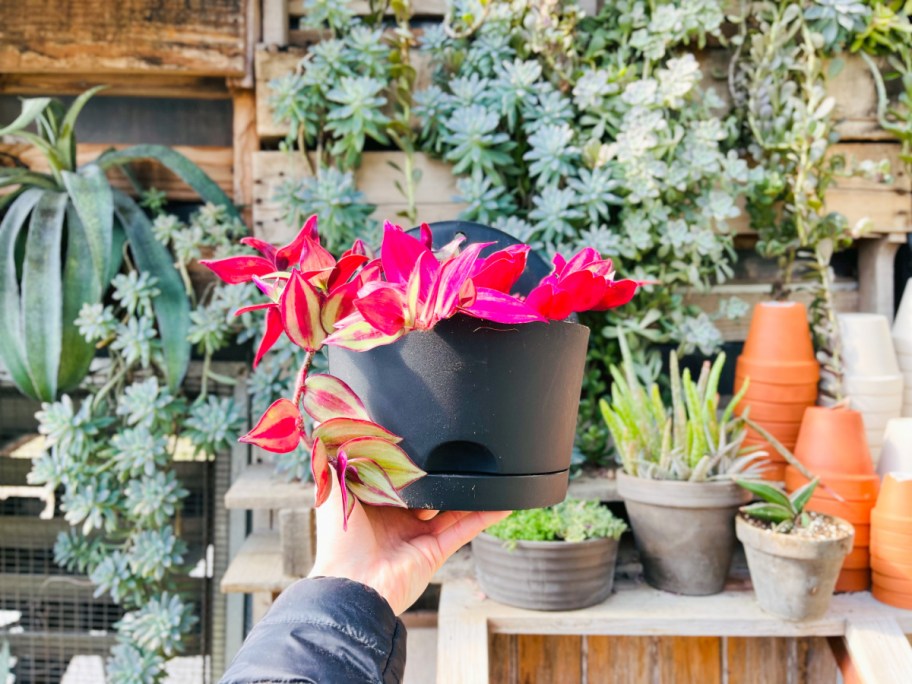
[336, 431]
[319, 470]
[279, 430]
[326, 397]
[300, 309]
[390, 458]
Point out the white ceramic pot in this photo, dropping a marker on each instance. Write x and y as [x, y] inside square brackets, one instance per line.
[880, 384]
[903, 345]
[878, 421]
[877, 403]
[904, 359]
[867, 345]
[896, 454]
[902, 323]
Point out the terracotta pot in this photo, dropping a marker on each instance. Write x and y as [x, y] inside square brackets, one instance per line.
[892, 598]
[858, 559]
[780, 393]
[890, 523]
[862, 534]
[777, 373]
[867, 344]
[889, 537]
[853, 511]
[881, 384]
[898, 553]
[853, 580]
[896, 454]
[850, 487]
[833, 440]
[784, 432]
[891, 583]
[779, 332]
[896, 495]
[891, 568]
[762, 411]
[793, 577]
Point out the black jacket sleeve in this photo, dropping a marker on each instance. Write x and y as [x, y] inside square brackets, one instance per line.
[324, 630]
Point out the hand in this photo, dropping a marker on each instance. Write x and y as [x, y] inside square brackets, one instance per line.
[392, 550]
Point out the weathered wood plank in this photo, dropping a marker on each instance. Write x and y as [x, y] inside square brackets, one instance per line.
[549, 660]
[150, 85]
[757, 661]
[217, 162]
[682, 660]
[856, 102]
[257, 568]
[503, 650]
[258, 488]
[376, 179]
[462, 645]
[423, 8]
[205, 37]
[620, 659]
[275, 22]
[246, 144]
[297, 539]
[878, 649]
[815, 661]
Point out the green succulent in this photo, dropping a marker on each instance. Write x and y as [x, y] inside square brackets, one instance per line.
[572, 520]
[785, 511]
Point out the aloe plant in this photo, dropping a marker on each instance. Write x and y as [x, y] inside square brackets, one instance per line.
[62, 239]
[785, 512]
[689, 440]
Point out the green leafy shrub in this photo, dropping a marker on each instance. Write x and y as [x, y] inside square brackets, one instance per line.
[572, 520]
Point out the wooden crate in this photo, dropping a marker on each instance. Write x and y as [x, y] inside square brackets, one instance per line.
[204, 37]
[376, 179]
[217, 162]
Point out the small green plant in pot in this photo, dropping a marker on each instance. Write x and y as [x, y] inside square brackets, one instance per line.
[557, 558]
[794, 556]
[676, 477]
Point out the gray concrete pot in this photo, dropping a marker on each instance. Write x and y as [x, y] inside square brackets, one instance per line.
[684, 531]
[794, 577]
[545, 575]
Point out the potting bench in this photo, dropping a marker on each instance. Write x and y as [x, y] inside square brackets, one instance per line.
[873, 633]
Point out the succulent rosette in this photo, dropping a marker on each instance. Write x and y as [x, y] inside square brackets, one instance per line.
[359, 302]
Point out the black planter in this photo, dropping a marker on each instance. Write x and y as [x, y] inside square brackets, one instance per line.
[488, 410]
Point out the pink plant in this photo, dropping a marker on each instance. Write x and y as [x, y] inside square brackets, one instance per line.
[360, 303]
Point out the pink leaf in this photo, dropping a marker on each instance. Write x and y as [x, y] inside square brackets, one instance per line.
[493, 305]
[359, 335]
[253, 307]
[239, 269]
[452, 275]
[271, 334]
[336, 431]
[618, 293]
[550, 302]
[326, 397]
[315, 258]
[369, 483]
[383, 309]
[319, 471]
[581, 260]
[348, 500]
[263, 247]
[290, 254]
[391, 459]
[502, 269]
[418, 300]
[339, 304]
[427, 237]
[344, 270]
[584, 289]
[399, 253]
[278, 430]
[300, 309]
[358, 247]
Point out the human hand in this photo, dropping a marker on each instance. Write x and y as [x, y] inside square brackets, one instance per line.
[392, 550]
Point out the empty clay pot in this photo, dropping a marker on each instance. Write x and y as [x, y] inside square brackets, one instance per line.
[859, 558]
[763, 412]
[782, 393]
[787, 433]
[862, 534]
[896, 455]
[891, 568]
[890, 523]
[779, 333]
[895, 497]
[867, 345]
[684, 531]
[850, 487]
[853, 511]
[889, 537]
[777, 373]
[853, 580]
[833, 440]
[892, 583]
[793, 577]
[892, 598]
[897, 553]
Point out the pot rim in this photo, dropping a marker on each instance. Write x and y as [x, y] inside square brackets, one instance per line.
[791, 546]
[541, 544]
[680, 493]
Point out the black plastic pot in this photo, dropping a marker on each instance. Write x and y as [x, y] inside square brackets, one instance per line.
[488, 410]
[545, 575]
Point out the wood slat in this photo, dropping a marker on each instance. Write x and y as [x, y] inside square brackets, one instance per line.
[257, 568]
[258, 488]
[204, 37]
[683, 660]
[376, 179]
[503, 650]
[549, 660]
[878, 649]
[758, 660]
[620, 659]
[217, 162]
[150, 85]
[423, 8]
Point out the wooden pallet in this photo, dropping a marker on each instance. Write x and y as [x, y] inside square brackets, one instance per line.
[257, 567]
[873, 632]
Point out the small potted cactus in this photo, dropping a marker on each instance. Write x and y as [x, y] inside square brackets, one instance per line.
[794, 555]
[557, 558]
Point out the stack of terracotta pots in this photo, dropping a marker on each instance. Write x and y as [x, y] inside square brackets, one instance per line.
[891, 542]
[902, 341]
[778, 358]
[873, 382]
[832, 446]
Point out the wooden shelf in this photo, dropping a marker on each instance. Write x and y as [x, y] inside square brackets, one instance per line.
[466, 619]
[257, 568]
[258, 489]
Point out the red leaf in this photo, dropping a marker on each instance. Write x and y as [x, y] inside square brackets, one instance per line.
[550, 302]
[619, 293]
[427, 237]
[383, 309]
[399, 253]
[253, 307]
[319, 471]
[344, 270]
[348, 500]
[502, 269]
[584, 289]
[358, 247]
[278, 430]
[450, 278]
[239, 269]
[290, 254]
[314, 257]
[338, 305]
[300, 309]
[263, 247]
[271, 334]
[581, 260]
[492, 305]
[326, 397]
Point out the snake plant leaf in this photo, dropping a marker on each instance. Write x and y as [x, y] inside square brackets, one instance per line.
[189, 172]
[767, 492]
[767, 511]
[12, 342]
[31, 109]
[81, 285]
[802, 495]
[172, 307]
[66, 141]
[42, 293]
[90, 193]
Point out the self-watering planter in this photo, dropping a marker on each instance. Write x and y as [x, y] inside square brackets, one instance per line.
[487, 410]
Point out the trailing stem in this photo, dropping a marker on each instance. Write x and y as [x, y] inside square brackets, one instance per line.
[302, 376]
